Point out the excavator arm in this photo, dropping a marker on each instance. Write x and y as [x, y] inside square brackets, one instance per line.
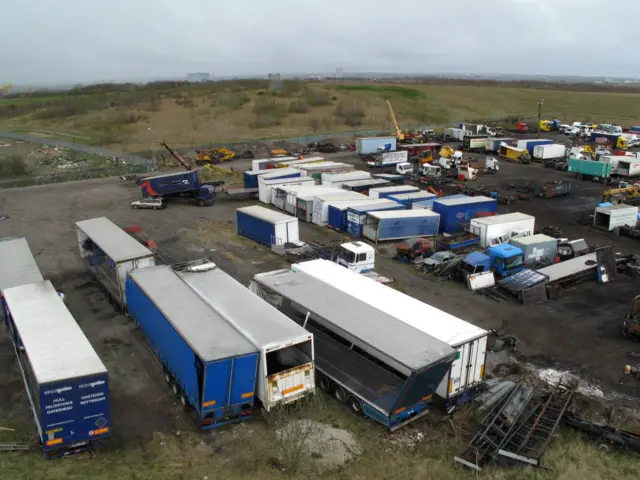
[399, 133]
[177, 156]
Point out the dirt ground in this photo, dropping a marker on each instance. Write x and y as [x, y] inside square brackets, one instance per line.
[580, 331]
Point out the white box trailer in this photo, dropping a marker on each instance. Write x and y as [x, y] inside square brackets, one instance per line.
[341, 205]
[286, 370]
[380, 192]
[305, 201]
[266, 186]
[470, 341]
[17, 264]
[285, 197]
[111, 253]
[548, 152]
[337, 179]
[613, 217]
[628, 166]
[501, 228]
[320, 207]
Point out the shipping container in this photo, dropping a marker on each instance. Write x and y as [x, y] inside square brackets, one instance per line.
[612, 217]
[467, 371]
[389, 159]
[392, 178]
[267, 226]
[400, 224]
[492, 145]
[383, 368]
[384, 192]
[531, 143]
[110, 253]
[306, 199]
[499, 229]
[178, 185]
[628, 167]
[66, 383]
[285, 366]
[557, 188]
[286, 197]
[589, 169]
[273, 174]
[363, 186]
[315, 170]
[320, 207]
[250, 177]
[429, 202]
[268, 163]
[539, 250]
[207, 363]
[408, 199]
[371, 145]
[548, 151]
[455, 213]
[474, 142]
[337, 211]
[357, 215]
[266, 185]
[17, 264]
[337, 179]
[299, 161]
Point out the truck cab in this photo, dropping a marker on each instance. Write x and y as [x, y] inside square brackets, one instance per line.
[503, 260]
[404, 168]
[356, 256]
[434, 171]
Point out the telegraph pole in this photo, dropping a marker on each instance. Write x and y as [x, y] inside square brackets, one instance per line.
[540, 103]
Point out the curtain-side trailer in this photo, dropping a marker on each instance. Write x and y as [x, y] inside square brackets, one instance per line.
[285, 366]
[208, 364]
[466, 374]
[110, 253]
[66, 383]
[17, 265]
[382, 368]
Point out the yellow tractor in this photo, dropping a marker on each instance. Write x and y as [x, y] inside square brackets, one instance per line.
[217, 155]
[279, 151]
[621, 195]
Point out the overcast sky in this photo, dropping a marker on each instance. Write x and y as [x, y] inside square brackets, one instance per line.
[53, 41]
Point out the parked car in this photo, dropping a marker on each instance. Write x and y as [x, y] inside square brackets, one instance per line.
[438, 259]
[153, 203]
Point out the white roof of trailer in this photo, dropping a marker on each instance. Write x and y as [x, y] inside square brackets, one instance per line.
[323, 165]
[340, 176]
[277, 172]
[344, 204]
[395, 188]
[452, 202]
[112, 240]
[533, 239]
[569, 267]
[266, 214]
[410, 195]
[208, 334]
[17, 265]
[499, 219]
[397, 341]
[264, 325]
[619, 206]
[284, 181]
[365, 181]
[55, 345]
[381, 214]
[338, 193]
[323, 192]
[430, 320]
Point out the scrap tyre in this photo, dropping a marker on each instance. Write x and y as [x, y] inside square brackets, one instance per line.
[341, 395]
[356, 405]
[324, 383]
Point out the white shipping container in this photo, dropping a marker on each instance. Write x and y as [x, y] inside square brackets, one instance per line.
[615, 216]
[321, 204]
[375, 192]
[467, 371]
[628, 167]
[337, 179]
[391, 158]
[501, 228]
[547, 152]
[266, 186]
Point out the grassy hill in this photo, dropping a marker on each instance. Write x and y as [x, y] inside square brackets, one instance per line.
[134, 117]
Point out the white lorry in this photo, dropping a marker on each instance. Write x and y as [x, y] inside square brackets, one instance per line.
[501, 228]
[389, 159]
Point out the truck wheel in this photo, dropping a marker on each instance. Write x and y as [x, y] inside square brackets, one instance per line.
[184, 402]
[134, 206]
[175, 388]
[200, 202]
[356, 405]
[340, 394]
[616, 231]
[167, 377]
[324, 383]
[579, 176]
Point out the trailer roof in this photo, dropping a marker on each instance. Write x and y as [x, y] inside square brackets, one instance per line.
[171, 174]
[533, 239]
[112, 240]
[283, 181]
[55, 345]
[569, 267]
[395, 340]
[17, 265]
[323, 165]
[266, 214]
[340, 193]
[431, 320]
[277, 172]
[410, 195]
[338, 176]
[322, 193]
[507, 217]
[619, 206]
[344, 204]
[452, 202]
[260, 322]
[210, 335]
[396, 188]
[365, 182]
[373, 204]
[422, 212]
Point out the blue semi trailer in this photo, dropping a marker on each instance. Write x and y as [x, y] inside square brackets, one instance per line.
[208, 364]
[66, 382]
[185, 185]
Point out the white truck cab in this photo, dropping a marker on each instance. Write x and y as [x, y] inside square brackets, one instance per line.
[357, 256]
[404, 168]
[428, 170]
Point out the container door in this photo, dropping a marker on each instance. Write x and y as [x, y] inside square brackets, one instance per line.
[292, 232]
[243, 379]
[476, 369]
[458, 370]
[216, 385]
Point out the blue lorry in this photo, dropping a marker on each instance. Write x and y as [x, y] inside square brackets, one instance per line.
[185, 185]
[67, 384]
[208, 364]
[503, 259]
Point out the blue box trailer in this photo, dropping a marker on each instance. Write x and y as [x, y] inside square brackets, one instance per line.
[530, 144]
[208, 364]
[400, 224]
[67, 384]
[408, 199]
[337, 212]
[356, 215]
[267, 226]
[454, 213]
[428, 203]
[178, 185]
[250, 177]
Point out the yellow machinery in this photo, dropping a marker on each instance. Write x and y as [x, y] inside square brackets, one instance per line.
[217, 155]
[279, 151]
[545, 126]
[399, 133]
[516, 155]
[620, 195]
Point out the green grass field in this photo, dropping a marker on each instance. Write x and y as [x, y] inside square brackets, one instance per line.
[135, 117]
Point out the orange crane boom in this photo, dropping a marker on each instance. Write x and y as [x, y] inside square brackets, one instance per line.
[177, 156]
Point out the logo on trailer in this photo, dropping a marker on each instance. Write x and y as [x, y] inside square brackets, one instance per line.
[460, 215]
[58, 391]
[92, 384]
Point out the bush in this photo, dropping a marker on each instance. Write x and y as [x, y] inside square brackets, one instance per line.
[12, 166]
[318, 98]
[299, 106]
[292, 88]
[270, 107]
[315, 123]
[351, 112]
[233, 101]
[265, 120]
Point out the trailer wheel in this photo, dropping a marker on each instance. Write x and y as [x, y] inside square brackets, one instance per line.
[175, 388]
[324, 383]
[340, 394]
[184, 402]
[356, 405]
[167, 377]
[579, 176]
[200, 202]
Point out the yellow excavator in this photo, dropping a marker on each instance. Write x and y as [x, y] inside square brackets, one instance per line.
[621, 195]
[217, 155]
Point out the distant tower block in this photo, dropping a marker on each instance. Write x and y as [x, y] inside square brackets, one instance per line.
[339, 74]
[275, 82]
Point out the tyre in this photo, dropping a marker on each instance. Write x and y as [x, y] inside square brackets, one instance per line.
[200, 202]
[579, 176]
[616, 231]
[184, 402]
[134, 206]
[175, 388]
[167, 377]
[355, 405]
[155, 208]
[324, 383]
[341, 394]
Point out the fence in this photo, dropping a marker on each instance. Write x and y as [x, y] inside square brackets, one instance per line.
[72, 175]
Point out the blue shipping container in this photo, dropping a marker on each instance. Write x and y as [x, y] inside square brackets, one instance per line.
[337, 216]
[408, 199]
[250, 177]
[429, 202]
[456, 212]
[396, 225]
[357, 215]
[371, 145]
[211, 364]
[266, 226]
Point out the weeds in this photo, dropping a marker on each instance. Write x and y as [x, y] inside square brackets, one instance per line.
[233, 100]
[318, 98]
[269, 112]
[299, 106]
[351, 112]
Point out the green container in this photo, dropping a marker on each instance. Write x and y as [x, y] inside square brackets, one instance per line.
[589, 168]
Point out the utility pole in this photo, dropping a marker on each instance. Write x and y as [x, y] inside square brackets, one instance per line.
[540, 103]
